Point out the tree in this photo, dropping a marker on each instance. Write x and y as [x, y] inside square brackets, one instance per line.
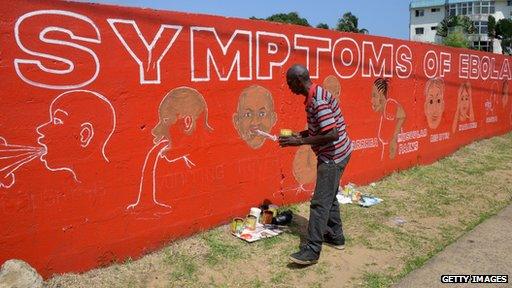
[322, 26]
[290, 18]
[349, 23]
[504, 33]
[449, 24]
[456, 38]
[491, 27]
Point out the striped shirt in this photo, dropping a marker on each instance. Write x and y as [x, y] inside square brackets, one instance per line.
[323, 114]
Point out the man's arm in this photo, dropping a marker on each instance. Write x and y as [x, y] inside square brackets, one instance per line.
[330, 135]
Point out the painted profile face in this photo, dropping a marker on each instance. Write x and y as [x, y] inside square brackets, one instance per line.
[464, 103]
[80, 125]
[255, 112]
[378, 100]
[504, 93]
[180, 107]
[332, 85]
[434, 103]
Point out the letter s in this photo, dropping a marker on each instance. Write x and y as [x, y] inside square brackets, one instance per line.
[49, 31]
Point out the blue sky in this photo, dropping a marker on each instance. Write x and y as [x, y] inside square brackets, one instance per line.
[388, 18]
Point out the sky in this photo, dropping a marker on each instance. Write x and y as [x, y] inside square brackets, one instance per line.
[389, 18]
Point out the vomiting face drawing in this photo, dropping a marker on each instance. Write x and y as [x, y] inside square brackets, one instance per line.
[80, 125]
[182, 105]
[255, 112]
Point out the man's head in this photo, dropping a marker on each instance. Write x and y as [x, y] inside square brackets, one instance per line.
[80, 126]
[379, 94]
[181, 106]
[298, 79]
[434, 102]
[255, 112]
[332, 85]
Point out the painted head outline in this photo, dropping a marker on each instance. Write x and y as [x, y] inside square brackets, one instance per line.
[465, 103]
[379, 94]
[332, 84]
[182, 103]
[434, 102]
[255, 111]
[81, 125]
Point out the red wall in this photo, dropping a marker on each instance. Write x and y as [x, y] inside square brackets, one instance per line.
[88, 89]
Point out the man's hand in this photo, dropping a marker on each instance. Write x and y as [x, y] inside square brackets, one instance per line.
[293, 140]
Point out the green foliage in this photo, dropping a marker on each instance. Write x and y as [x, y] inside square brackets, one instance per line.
[322, 26]
[290, 18]
[456, 39]
[491, 26]
[453, 23]
[349, 23]
[504, 32]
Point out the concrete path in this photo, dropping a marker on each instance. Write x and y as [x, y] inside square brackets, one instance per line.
[486, 250]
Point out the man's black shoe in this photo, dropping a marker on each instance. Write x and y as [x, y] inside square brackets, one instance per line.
[305, 256]
[335, 243]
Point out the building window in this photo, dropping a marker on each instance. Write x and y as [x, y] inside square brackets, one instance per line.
[483, 45]
[420, 13]
[509, 2]
[481, 27]
[434, 10]
[433, 28]
[452, 9]
[419, 31]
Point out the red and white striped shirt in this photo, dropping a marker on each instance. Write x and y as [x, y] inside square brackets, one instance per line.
[323, 114]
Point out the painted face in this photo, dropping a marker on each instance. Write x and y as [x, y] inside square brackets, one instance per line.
[60, 135]
[168, 117]
[378, 100]
[434, 105]
[332, 85]
[464, 105]
[255, 112]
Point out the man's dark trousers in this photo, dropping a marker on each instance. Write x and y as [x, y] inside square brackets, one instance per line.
[324, 215]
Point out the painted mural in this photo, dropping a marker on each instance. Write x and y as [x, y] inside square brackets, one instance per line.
[122, 129]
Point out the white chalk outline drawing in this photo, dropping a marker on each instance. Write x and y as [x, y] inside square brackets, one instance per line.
[318, 50]
[210, 59]
[333, 62]
[42, 37]
[371, 67]
[167, 145]
[27, 152]
[41, 136]
[269, 52]
[492, 100]
[149, 47]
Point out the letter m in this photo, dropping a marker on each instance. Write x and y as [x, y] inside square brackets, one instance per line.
[208, 51]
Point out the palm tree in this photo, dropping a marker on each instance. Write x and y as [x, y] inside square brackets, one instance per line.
[349, 23]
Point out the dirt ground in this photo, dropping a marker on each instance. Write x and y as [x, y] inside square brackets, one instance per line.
[424, 209]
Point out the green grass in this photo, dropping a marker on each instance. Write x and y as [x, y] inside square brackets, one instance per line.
[219, 249]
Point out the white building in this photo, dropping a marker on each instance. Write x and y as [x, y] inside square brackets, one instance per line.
[425, 16]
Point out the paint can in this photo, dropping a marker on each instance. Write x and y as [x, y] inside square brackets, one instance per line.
[237, 225]
[286, 133]
[256, 212]
[273, 208]
[267, 217]
[250, 222]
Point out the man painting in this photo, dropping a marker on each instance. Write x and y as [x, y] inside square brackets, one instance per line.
[328, 138]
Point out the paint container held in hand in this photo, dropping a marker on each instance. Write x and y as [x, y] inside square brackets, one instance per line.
[250, 222]
[256, 213]
[286, 133]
